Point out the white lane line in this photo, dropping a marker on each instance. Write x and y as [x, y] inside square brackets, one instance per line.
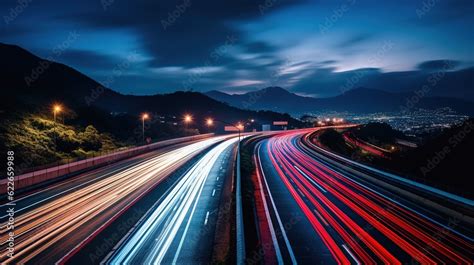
[320, 217]
[212, 160]
[310, 179]
[350, 253]
[282, 229]
[207, 218]
[217, 178]
[213, 192]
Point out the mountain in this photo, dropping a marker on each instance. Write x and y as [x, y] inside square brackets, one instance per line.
[437, 83]
[31, 83]
[359, 100]
[270, 98]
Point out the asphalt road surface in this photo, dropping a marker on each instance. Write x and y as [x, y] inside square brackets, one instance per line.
[180, 228]
[53, 223]
[321, 210]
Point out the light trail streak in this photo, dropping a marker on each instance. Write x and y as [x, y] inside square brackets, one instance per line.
[348, 206]
[83, 211]
[161, 227]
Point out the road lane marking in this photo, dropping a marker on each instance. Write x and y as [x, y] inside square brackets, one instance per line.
[320, 217]
[217, 154]
[283, 233]
[310, 179]
[213, 192]
[350, 253]
[207, 217]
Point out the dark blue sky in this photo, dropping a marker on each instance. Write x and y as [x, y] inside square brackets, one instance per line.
[309, 47]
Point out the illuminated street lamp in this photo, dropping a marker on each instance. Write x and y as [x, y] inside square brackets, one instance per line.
[209, 122]
[187, 119]
[56, 109]
[145, 116]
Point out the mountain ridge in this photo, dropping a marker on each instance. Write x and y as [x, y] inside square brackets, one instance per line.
[56, 82]
[358, 100]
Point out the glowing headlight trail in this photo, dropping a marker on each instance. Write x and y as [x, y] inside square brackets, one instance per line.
[165, 221]
[37, 230]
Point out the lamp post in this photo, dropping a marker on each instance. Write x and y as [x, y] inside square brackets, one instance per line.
[145, 116]
[187, 119]
[56, 109]
[209, 123]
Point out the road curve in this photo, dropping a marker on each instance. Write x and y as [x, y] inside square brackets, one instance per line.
[334, 214]
[50, 228]
[177, 229]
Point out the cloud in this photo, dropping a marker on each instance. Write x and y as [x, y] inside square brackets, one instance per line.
[175, 33]
[85, 59]
[436, 65]
[215, 42]
[354, 41]
[432, 76]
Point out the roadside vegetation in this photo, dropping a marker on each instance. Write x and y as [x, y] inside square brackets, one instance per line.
[42, 141]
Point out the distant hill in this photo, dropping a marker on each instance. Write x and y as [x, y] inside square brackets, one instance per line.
[360, 100]
[30, 82]
[455, 83]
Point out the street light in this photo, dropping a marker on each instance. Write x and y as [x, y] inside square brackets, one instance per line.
[187, 119]
[145, 116]
[209, 122]
[56, 109]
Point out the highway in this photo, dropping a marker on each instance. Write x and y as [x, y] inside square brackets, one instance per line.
[56, 222]
[180, 228]
[319, 209]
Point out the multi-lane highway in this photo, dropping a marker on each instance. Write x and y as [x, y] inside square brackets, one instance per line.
[312, 207]
[180, 228]
[321, 209]
[54, 223]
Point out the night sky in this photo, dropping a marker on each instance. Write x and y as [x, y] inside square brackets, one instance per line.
[307, 47]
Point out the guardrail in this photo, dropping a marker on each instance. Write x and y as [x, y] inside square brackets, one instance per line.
[32, 178]
[239, 216]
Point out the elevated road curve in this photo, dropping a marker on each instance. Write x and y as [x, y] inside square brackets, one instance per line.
[349, 215]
